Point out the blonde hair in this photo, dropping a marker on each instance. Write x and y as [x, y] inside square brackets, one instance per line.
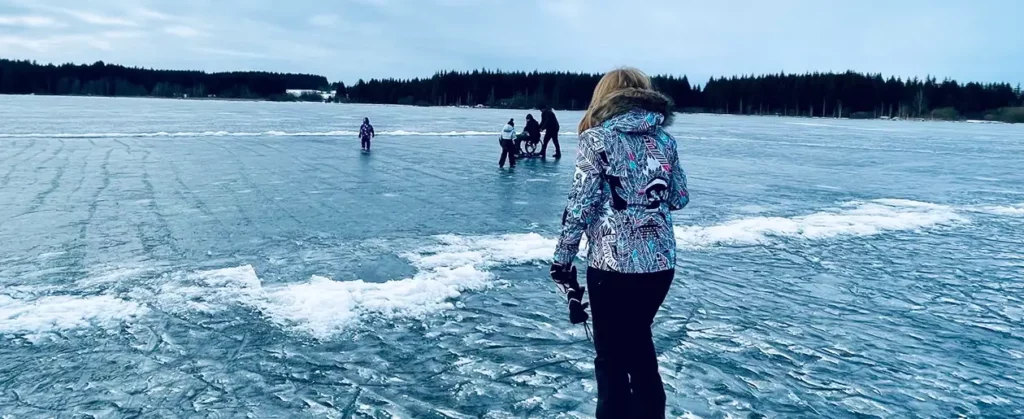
[613, 81]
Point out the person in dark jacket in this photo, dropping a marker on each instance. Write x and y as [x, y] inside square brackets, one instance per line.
[532, 131]
[549, 124]
[365, 134]
[627, 182]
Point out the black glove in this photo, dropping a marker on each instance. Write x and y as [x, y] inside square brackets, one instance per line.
[566, 278]
[577, 308]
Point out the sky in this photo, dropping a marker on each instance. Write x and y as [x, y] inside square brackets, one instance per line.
[346, 40]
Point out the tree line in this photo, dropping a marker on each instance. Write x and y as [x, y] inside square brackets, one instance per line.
[856, 95]
[849, 94]
[101, 79]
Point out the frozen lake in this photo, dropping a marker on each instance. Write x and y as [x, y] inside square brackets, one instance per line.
[164, 258]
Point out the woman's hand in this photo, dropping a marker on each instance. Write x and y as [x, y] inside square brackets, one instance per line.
[564, 275]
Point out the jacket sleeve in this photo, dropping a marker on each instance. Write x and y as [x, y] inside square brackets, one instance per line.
[586, 197]
[678, 195]
[372, 133]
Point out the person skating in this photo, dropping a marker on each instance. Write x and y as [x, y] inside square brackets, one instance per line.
[627, 182]
[508, 147]
[365, 134]
[549, 124]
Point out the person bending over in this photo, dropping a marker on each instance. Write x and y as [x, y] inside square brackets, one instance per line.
[507, 141]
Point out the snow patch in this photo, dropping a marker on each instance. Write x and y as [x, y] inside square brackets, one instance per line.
[1015, 210]
[36, 317]
[207, 292]
[322, 307]
[484, 251]
[853, 219]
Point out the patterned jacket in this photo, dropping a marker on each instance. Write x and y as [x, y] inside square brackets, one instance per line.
[627, 182]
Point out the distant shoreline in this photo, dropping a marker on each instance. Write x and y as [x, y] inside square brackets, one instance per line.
[848, 94]
[971, 121]
[226, 99]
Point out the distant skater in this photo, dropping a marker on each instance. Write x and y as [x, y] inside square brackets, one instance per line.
[627, 183]
[549, 124]
[365, 134]
[508, 146]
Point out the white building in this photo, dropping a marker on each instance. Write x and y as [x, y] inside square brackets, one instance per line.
[300, 92]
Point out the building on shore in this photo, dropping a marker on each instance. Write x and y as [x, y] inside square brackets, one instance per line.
[300, 92]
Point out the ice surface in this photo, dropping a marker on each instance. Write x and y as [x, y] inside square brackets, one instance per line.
[244, 259]
[188, 134]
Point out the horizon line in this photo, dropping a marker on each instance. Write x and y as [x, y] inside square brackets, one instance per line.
[534, 71]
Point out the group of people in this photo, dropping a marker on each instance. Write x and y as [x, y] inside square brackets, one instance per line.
[511, 142]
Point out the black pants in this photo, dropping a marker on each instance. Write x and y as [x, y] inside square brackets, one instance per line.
[365, 141]
[508, 150]
[623, 308]
[551, 135]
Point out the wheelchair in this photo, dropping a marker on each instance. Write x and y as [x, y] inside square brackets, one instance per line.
[527, 148]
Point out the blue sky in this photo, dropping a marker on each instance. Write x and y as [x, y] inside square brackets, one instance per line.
[351, 39]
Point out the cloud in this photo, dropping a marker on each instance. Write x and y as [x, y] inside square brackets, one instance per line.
[102, 41]
[324, 20]
[30, 21]
[231, 53]
[151, 14]
[568, 10]
[184, 31]
[99, 19]
[351, 39]
[377, 3]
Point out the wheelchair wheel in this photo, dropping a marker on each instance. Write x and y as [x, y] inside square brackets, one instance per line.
[530, 147]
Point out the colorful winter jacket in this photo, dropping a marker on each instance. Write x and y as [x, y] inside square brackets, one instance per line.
[627, 182]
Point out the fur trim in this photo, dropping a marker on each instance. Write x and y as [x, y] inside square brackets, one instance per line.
[626, 100]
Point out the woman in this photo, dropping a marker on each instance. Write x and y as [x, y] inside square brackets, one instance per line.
[508, 147]
[627, 182]
[365, 134]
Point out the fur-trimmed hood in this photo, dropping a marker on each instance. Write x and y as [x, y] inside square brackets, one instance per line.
[633, 99]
